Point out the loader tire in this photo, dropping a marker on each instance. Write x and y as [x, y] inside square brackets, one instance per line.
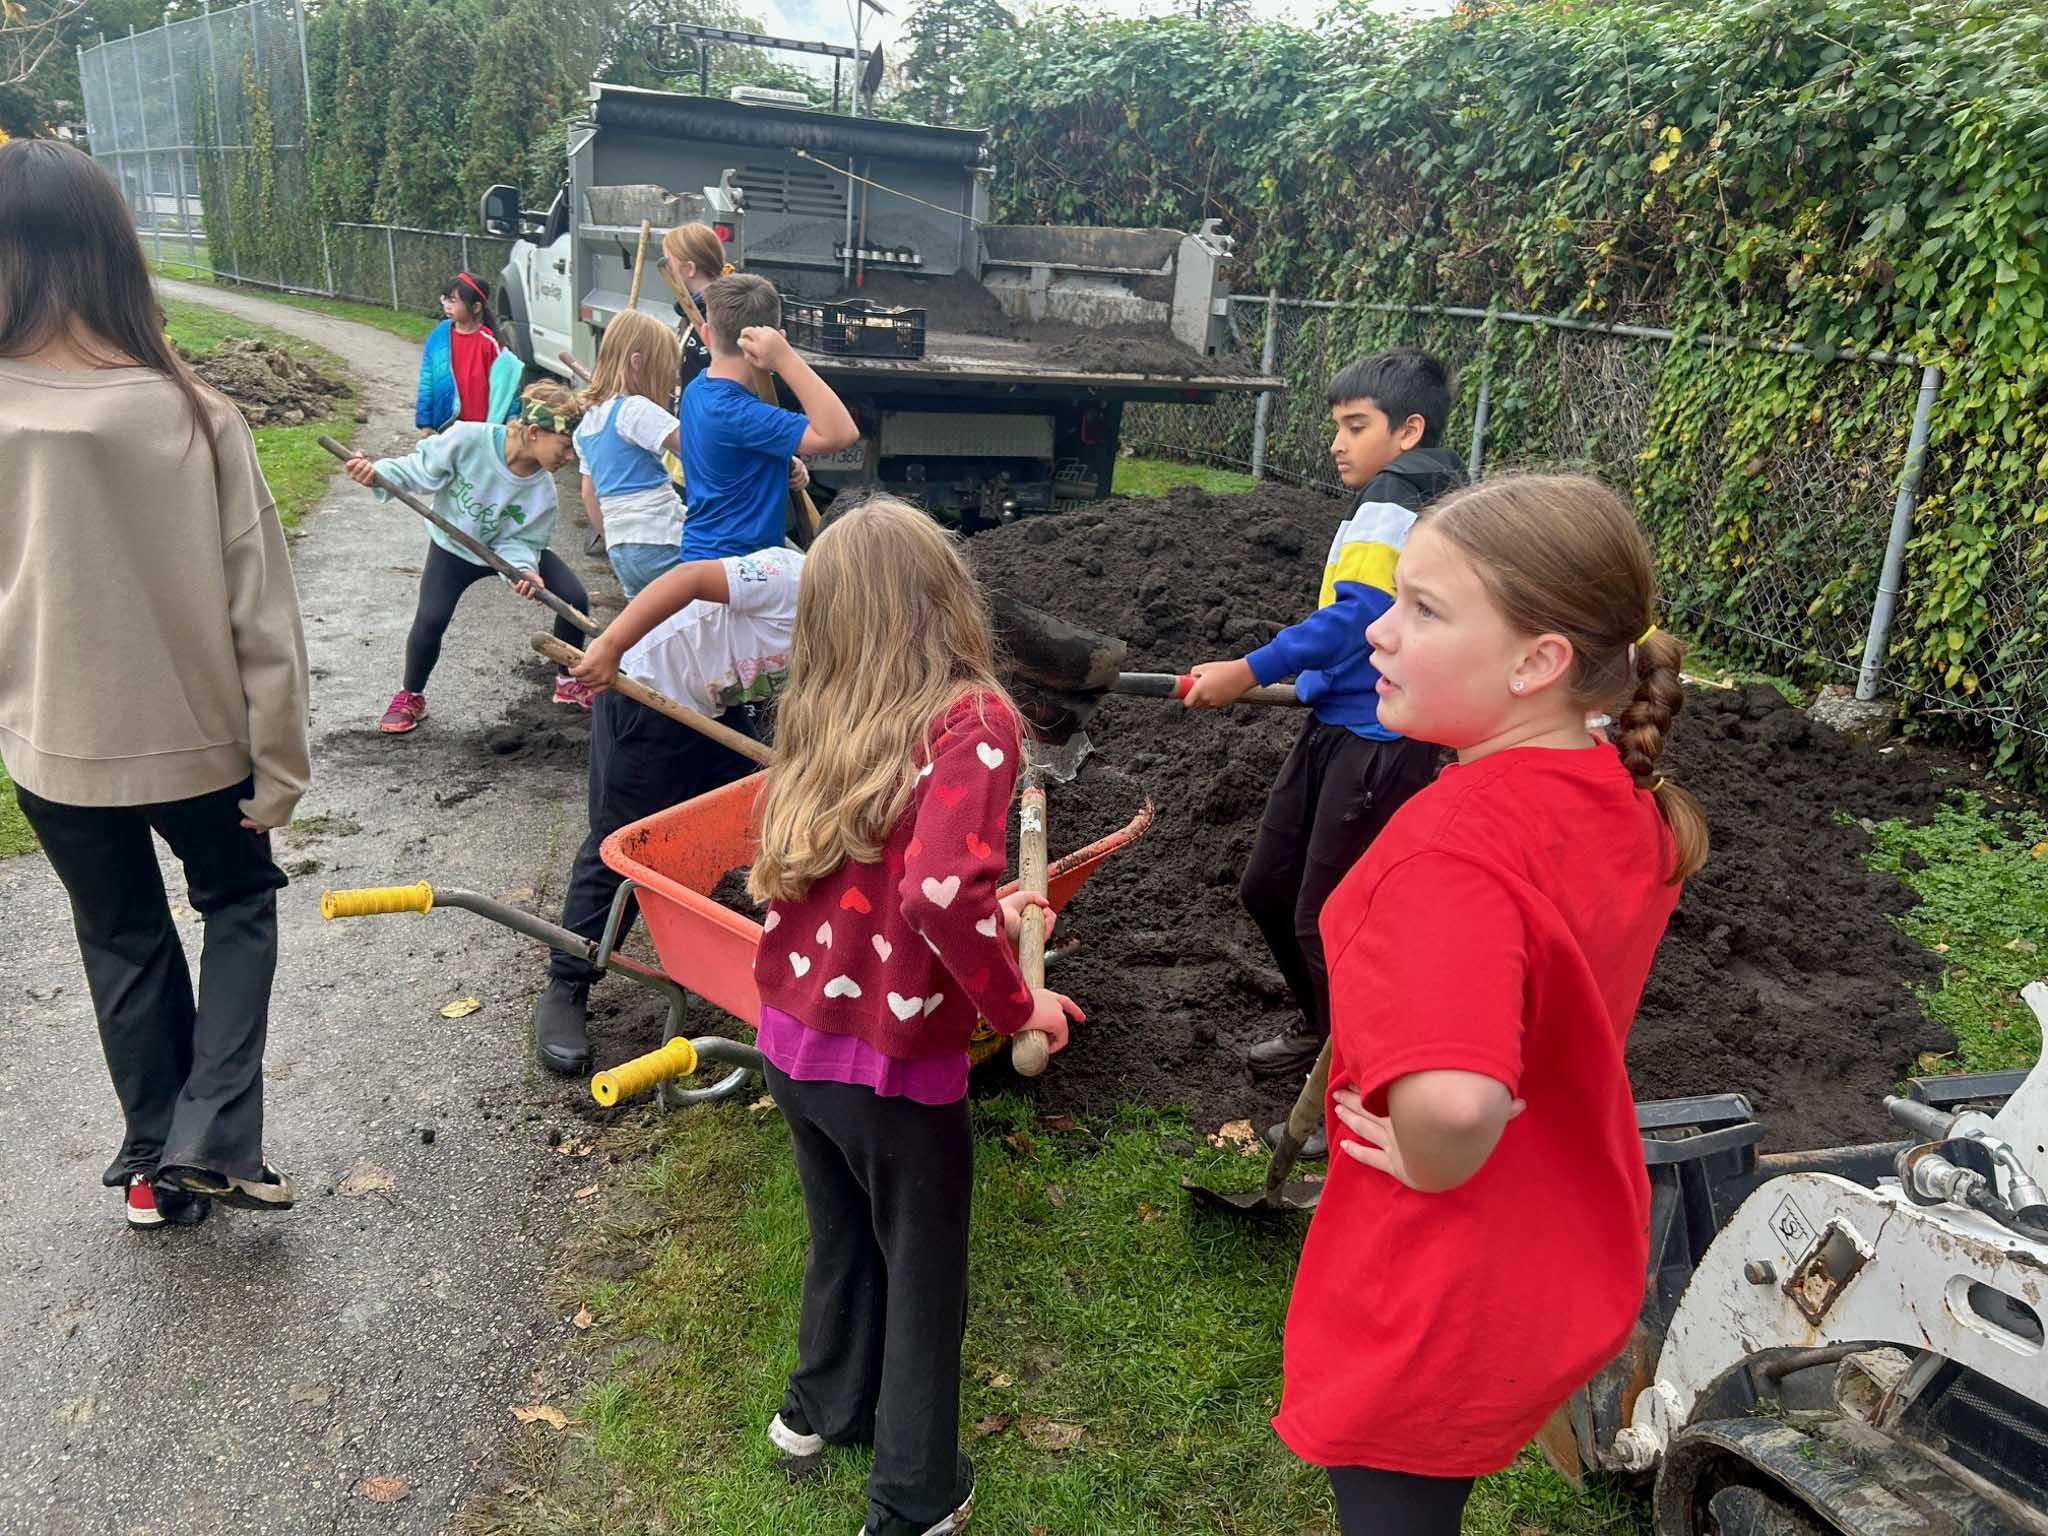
[1740, 1510]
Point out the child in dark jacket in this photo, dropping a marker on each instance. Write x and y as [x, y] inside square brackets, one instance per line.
[882, 837]
[1347, 773]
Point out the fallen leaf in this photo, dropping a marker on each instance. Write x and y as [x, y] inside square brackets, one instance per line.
[1054, 1195]
[765, 1102]
[2023, 946]
[585, 1192]
[1941, 949]
[542, 1413]
[462, 1008]
[1001, 1379]
[364, 1178]
[994, 1424]
[1049, 1434]
[582, 1319]
[1019, 1143]
[79, 1410]
[2040, 850]
[384, 1490]
[569, 1146]
[1147, 1210]
[1054, 1122]
[183, 913]
[309, 1394]
[1238, 1134]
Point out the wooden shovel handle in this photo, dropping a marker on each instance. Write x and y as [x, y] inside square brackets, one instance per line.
[470, 542]
[565, 655]
[639, 265]
[1030, 1050]
[1308, 1108]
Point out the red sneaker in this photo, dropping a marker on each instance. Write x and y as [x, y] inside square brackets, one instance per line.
[569, 691]
[142, 1211]
[406, 711]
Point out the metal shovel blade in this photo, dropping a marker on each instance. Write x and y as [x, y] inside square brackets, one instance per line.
[1296, 1195]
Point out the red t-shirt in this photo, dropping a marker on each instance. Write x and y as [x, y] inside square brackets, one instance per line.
[1504, 924]
[470, 357]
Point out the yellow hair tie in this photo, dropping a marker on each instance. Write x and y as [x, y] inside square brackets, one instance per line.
[1646, 634]
[1659, 784]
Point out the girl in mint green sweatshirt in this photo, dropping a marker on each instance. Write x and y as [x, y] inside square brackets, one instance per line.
[497, 484]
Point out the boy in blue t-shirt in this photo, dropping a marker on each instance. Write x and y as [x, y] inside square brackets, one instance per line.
[736, 449]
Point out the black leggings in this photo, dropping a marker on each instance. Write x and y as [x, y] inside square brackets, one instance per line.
[443, 581]
[1375, 1503]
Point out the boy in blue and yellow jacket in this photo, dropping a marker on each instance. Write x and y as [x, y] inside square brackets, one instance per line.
[1347, 773]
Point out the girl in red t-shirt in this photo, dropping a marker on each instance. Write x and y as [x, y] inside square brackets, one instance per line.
[881, 850]
[1480, 1247]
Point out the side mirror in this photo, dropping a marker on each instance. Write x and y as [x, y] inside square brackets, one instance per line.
[501, 212]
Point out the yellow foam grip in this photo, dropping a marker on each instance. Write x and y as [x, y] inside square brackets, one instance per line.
[678, 1058]
[377, 899]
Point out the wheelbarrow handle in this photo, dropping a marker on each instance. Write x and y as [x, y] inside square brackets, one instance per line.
[1031, 1049]
[566, 655]
[377, 900]
[1175, 685]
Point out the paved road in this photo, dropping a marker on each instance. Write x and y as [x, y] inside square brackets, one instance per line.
[246, 1376]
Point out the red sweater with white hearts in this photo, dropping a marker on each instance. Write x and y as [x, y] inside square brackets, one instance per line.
[908, 951]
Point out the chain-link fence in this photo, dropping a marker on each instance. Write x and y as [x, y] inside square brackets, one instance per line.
[1798, 590]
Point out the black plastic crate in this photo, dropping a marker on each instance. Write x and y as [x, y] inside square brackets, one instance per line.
[854, 328]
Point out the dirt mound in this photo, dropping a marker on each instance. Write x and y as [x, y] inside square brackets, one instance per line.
[1781, 977]
[267, 383]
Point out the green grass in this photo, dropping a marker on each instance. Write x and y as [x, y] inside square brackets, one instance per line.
[15, 836]
[1101, 1299]
[1982, 878]
[295, 466]
[1156, 477]
[408, 324]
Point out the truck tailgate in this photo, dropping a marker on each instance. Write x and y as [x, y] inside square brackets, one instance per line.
[955, 358]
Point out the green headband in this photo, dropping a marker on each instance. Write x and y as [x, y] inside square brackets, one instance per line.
[538, 413]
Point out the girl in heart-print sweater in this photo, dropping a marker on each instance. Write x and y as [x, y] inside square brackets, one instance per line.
[882, 829]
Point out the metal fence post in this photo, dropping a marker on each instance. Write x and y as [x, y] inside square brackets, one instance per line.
[1262, 412]
[178, 121]
[1476, 459]
[142, 119]
[1902, 528]
[391, 261]
[306, 138]
[220, 148]
[465, 251]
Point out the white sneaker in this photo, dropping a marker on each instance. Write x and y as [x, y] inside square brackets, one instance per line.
[792, 1442]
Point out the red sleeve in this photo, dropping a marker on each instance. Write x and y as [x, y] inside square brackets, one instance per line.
[1429, 977]
[954, 865]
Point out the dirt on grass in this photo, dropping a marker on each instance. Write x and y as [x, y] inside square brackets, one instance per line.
[268, 384]
[1782, 975]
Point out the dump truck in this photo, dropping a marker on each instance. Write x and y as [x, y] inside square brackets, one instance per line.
[1033, 337]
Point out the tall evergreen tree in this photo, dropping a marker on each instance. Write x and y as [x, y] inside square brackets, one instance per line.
[432, 81]
[939, 34]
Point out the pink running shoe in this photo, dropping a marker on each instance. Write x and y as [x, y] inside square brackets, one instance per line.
[407, 711]
[569, 691]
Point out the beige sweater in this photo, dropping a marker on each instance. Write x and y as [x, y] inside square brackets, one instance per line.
[150, 646]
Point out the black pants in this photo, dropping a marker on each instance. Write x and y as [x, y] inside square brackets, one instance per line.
[1335, 792]
[189, 1077]
[443, 580]
[887, 1184]
[640, 763]
[1375, 1503]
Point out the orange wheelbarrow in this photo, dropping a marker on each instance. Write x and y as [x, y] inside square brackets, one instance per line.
[672, 861]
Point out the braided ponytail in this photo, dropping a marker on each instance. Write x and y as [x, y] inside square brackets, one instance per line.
[1563, 554]
[1639, 732]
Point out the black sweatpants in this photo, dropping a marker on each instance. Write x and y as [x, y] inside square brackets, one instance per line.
[640, 763]
[189, 1075]
[1334, 794]
[887, 1185]
[1375, 1503]
[443, 580]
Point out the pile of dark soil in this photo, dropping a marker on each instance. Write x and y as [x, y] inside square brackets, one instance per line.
[1782, 976]
[268, 385]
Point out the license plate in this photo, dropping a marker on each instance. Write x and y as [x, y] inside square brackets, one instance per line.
[855, 457]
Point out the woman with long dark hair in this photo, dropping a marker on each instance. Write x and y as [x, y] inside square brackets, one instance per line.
[155, 679]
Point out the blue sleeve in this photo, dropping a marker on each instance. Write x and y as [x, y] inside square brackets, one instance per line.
[433, 364]
[1334, 631]
[746, 422]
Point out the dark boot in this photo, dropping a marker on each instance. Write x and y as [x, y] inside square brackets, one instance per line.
[1313, 1150]
[561, 1035]
[1288, 1055]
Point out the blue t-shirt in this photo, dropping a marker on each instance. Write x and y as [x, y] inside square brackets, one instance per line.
[736, 450]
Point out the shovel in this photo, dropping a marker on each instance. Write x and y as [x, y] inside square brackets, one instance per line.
[1280, 1195]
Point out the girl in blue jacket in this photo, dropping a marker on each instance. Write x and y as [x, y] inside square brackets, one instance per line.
[466, 372]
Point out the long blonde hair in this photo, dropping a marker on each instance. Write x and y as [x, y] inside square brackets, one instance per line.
[697, 244]
[1562, 554]
[891, 633]
[631, 331]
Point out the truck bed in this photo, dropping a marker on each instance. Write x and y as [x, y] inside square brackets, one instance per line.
[955, 357]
